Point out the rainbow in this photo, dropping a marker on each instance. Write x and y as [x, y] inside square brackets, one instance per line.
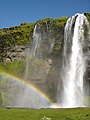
[28, 84]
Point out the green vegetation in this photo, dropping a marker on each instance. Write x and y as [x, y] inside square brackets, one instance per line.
[44, 114]
[60, 21]
[56, 28]
[57, 21]
[18, 35]
[36, 68]
[22, 35]
[88, 16]
[13, 36]
[44, 20]
[16, 68]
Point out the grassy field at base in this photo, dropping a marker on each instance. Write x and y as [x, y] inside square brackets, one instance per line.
[44, 114]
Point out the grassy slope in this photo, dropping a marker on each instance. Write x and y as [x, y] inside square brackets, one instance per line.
[16, 68]
[45, 114]
[18, 35]
[21, 35]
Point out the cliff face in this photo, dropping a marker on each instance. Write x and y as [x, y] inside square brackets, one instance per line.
[15, 41]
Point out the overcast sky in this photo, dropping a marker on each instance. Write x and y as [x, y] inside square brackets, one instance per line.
[14, 12]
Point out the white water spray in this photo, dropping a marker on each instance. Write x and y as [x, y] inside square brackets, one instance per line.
[74, 62]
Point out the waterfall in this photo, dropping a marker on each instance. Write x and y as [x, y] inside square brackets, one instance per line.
[35, 48]
[37, 56]
[74, 62]
[41, 37]
[41, 47]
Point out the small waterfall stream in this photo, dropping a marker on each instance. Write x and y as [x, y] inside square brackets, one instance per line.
[42, 45]
[36, 57]
[43, 40]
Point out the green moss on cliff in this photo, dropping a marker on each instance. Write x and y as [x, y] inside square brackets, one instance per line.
[18, 35]
[21, 35]
[61, 21]
[88, 16]
[13, 36]
[44, 20]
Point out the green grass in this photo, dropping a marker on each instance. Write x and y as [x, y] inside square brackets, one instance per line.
[44, 114]
[16, 68]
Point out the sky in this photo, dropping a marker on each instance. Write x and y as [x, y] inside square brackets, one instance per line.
[15, 12]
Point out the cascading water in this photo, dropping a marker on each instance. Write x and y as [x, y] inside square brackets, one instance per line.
[36, 58]
[31, 52]
[36, 41]
[41, 47]
[41, 38]
[73, 67]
